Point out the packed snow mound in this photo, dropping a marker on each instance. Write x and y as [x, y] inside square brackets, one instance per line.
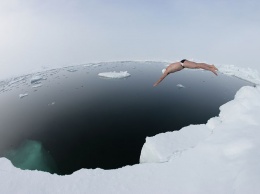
[114, 74]
[162, 147]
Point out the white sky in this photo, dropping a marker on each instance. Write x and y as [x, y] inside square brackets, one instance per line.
[36, 33]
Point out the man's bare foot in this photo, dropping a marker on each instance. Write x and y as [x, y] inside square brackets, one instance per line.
[213, 66]
[214, 69]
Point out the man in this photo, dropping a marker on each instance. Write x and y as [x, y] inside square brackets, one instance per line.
[186, 64]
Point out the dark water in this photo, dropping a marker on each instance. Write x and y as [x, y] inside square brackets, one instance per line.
[78, 120]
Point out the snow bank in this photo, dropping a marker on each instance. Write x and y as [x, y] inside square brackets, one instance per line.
[162, 147]
[114, 74]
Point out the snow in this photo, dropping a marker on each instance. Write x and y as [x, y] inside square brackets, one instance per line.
[114, 74]
[241, 72]
[162, 147]
[221, 156]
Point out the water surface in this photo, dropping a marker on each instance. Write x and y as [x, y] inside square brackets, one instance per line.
[77, 119]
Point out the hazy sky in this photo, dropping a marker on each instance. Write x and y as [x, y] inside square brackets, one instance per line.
[36, 33]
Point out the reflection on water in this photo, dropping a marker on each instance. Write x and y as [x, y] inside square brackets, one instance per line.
[84, 121]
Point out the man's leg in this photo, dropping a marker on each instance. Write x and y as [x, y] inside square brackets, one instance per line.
[205, 66]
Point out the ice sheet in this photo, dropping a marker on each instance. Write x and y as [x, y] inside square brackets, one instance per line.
[114, 74]
[162, 147]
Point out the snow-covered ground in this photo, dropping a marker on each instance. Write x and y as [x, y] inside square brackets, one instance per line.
[221, 156]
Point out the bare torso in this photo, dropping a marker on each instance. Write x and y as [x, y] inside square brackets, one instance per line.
[174, 67]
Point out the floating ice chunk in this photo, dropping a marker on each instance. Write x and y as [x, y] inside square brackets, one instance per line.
[180, 86]
[92, 65]
[72, 70]
[37, 82]
[89, 65]
[114, 74]
[36, 78]
[51, 104]
[23, 95]
[37, 85]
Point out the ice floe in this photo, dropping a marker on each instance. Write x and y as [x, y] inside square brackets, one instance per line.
[52, 104]
[92, 65]
[114, 74]
[180, 86]
[36, 78]
[72, 70]
[23, 95]
[37, 85]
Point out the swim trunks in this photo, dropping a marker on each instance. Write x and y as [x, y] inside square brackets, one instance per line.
[182, 61]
